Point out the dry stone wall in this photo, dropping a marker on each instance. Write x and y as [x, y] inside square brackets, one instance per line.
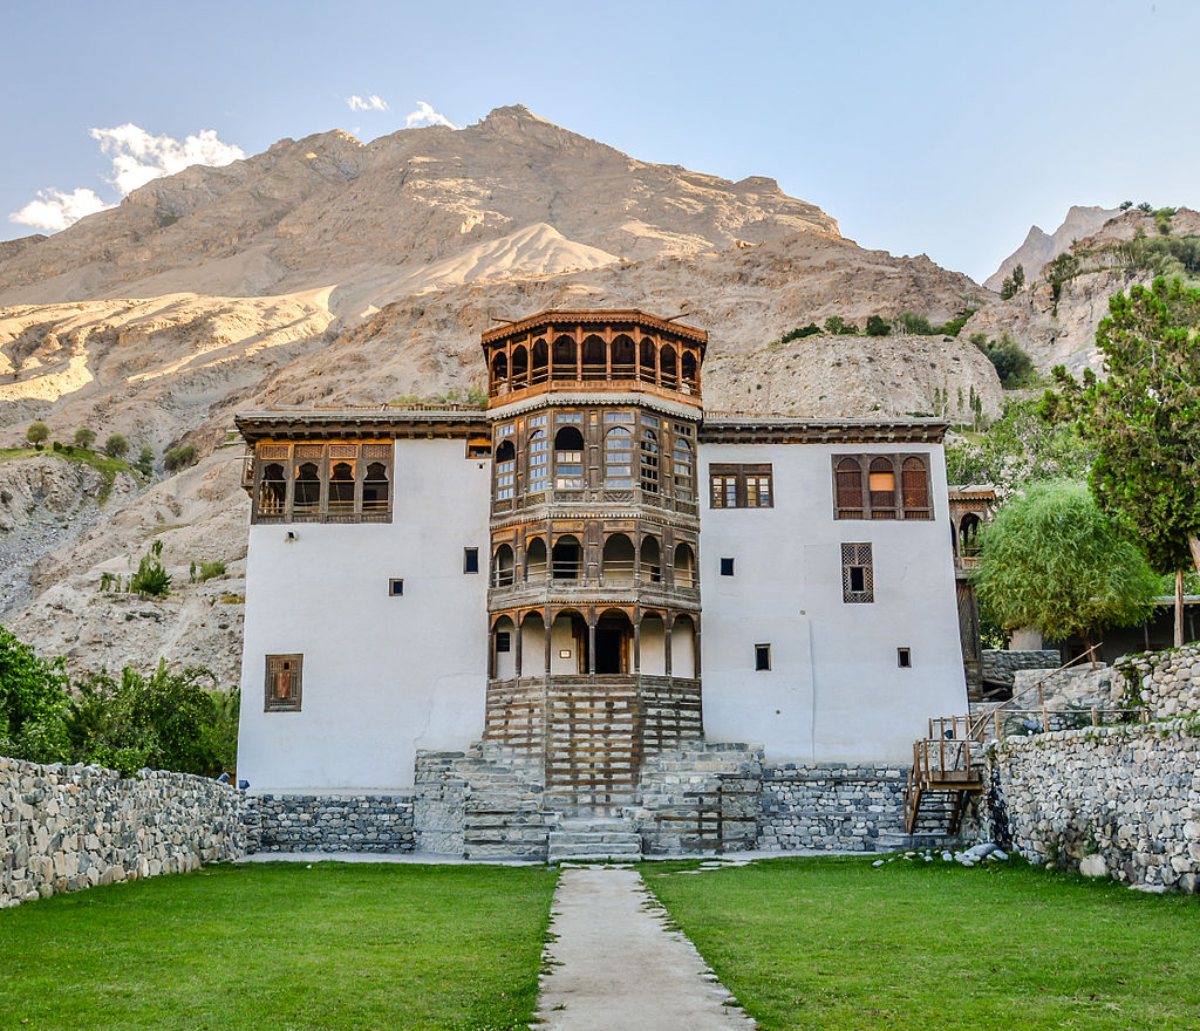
[1122, 801]
[1167, 683]
[330, 823]
[64, 828]
[843, 808]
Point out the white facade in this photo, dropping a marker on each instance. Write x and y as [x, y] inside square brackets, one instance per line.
[382, 675]
[835, 691]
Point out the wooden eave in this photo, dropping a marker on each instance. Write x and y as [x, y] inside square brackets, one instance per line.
[351, 424]
[572, 317]
[785, 430]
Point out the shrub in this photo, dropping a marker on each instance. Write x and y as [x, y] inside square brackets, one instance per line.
[876, 327]
[1126, 205]
[1013, 365]
[85, 437]
[33, 703]
[914, 324]
[145, 461]
[179, 457]
[116, 446]
[37, 433]
[210, 569]
[151, 578]
[800, 333]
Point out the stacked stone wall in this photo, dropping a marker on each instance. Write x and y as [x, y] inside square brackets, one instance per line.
[1167, 683]
[64, 828]
[1121, 800]
[1000, 665]
[331, 823]
[830, 806]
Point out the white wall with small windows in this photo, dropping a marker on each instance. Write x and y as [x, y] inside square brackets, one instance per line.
[383, 675]
[835, 691]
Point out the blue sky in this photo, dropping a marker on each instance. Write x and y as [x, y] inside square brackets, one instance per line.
[943, 128]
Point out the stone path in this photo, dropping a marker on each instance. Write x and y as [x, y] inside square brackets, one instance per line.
[614, 964]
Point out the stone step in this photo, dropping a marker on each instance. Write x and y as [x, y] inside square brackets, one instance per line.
[565, 838]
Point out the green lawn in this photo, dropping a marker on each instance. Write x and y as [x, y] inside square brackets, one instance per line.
[834, 943]
[282, 946]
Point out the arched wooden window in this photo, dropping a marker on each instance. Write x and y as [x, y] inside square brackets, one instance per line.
[502, 566]
[651, 561]
[341, 487]
[849, 489]
[681, 457]
[881, 484]
[649, 462]
[618, 458]
[499, 373]
[539, 461]
[540, 367]
[565, 558]
[646, 360]
[670, 367]
[685, 565]
[624, 357]
[568, 459]
[564, 366]
[968, 535]
[914, 486]
[520, 368]
[506, 470]
[375, 488]
[308, 488]
[536, 560]
[272, 490]
[595, 361]
[690, 383]
[617, 560]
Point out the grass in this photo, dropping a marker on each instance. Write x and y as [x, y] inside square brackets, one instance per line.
[282, 946]
[834, 943]
[106, 466]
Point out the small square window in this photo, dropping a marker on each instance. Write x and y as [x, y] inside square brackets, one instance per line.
[762, 656]
[503, 641]
[395, 588]
[904, 658]
[470, 560]
[727, 567]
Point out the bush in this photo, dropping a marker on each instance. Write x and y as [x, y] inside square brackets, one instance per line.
[208, 570]
[800, 333]
[33, 703]
[116, 446]
[145, 461]
[38, 433]
[915, 325]
[179, 457]
[85, 437]
[876, 327]
[151, 578]
[1013, 365]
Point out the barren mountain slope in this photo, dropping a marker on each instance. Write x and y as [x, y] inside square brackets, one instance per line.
[1040, 247]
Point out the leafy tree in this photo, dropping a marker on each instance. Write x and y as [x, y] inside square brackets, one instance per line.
[180, 457]
[1052, 560]
[876, 327]
[1146, 207]
[1126, 205]
[1144, 420]
[1013, 365]
[33, 701]
[145, 461]
[835, 324]
[1064, 267]
[151, 578]
[37, 433]
[116, 446]
[85, 437]
[1018, 448]
[914, 324]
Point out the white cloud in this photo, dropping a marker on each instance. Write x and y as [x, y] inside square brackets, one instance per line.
[426, 115]
[54, 210]
[137, 157]
[372, 103]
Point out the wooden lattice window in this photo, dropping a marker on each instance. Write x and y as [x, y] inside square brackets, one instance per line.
[310, 482]
[649, 465]
[506, 470]
[914, 489]
[882, 487]
[741, 486]
[849, 489]
[283, 683]
[539, 461]
[858, 575]
[618, 458]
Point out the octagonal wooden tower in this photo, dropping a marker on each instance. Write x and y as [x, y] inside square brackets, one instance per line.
[594, 600]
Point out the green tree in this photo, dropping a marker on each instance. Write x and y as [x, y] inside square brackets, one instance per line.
[151, 578]
[145, 461]
[835, 324]
[116, 446]
[1126, 205]
[1052, 560]
[877, 327]
[1144, 419]
[37, 433]
[33, 703]
[85, 437]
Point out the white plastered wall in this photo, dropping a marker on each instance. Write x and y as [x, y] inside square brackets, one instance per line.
[383, 676]
[835, 692]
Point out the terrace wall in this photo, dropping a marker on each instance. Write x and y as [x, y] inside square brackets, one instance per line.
[330, 823]
[830, 806]
[64, 828]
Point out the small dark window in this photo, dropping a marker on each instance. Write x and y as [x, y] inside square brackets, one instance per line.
[904, 658]
[858, 578]
[470, 560]
[858, 574]
[395, 588]
[283, 683]
[503, 641]
[762, 656]
[727, 567]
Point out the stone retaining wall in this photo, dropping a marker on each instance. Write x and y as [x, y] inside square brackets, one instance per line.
[1167, 682]
[999, 665]
[1121, 800]
[830, 806]
[64, 828]
[330, 823]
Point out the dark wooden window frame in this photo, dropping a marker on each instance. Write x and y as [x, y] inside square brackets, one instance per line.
[858, 556]
[851, 504]
[718, 485]
[276, 666]
[470, 560]
[361, 456]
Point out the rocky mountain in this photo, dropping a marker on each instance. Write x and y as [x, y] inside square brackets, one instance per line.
[1040, 247]
[326, 270]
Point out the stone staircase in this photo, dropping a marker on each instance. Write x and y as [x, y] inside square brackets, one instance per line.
[592, 840]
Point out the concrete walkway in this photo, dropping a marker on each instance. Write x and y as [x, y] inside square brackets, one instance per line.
[613, 963]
